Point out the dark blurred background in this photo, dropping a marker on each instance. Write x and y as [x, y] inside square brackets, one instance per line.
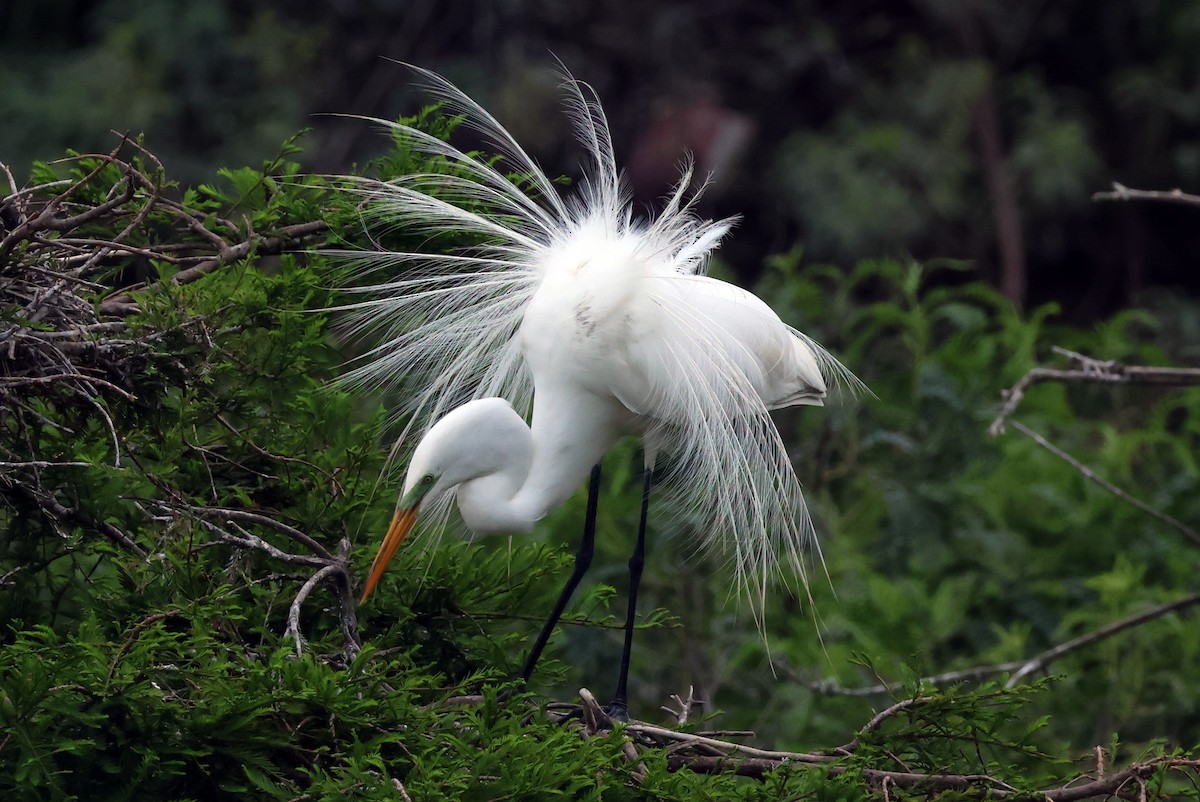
[963, 129]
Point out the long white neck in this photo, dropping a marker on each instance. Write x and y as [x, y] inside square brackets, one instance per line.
[570, 433]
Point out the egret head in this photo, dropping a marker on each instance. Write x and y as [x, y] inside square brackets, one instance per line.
[469, 442]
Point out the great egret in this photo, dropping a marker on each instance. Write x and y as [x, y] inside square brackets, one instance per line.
[609, 325]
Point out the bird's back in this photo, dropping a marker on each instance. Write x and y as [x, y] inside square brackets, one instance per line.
[699, 325]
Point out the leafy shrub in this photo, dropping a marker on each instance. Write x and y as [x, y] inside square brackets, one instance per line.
[188, 500]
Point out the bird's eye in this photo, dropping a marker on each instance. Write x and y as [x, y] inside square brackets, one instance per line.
[427, 479]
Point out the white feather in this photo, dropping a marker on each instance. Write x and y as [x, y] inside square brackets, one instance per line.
[596, 304]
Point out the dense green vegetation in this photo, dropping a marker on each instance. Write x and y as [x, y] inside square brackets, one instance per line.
[189, 503]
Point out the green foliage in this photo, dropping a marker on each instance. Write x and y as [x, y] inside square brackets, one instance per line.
[891, 169]
[217, 445]
[170, 708]
[187, 76]
[947, 548]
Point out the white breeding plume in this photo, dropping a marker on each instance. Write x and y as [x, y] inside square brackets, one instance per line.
[604, 322]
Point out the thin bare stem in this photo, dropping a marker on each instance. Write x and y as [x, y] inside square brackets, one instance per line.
[293, 625]
[1089, 474]
[1120, 192]
[1043, 660]
[1021, 669]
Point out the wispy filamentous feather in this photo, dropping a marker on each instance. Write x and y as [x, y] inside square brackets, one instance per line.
[447, 324]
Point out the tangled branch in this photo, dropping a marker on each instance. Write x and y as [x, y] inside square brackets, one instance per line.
[76, 257]
[65, 343]
[707, 753]
[334, 570]
[1085, 369]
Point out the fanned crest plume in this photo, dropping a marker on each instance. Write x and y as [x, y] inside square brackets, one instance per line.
[447, 324]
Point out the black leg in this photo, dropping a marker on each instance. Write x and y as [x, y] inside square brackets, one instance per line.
[583, 559]
[619, 707]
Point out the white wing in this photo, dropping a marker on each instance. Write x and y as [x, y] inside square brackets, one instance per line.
[700, 361]
[705, 363]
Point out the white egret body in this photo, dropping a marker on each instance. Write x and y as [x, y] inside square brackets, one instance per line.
[607, 324]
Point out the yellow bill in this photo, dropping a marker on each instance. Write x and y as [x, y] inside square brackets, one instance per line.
[402, 523]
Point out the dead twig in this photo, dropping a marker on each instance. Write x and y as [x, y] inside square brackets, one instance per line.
[728, 747]
[1089, 474]
[683, 709]
[1093, 371]
[327, 565]
[400, 789]
[1021, 669]
[285, 238]
[1120, 192]
[293, 624]
[876, 722]
[1043, 660]
[246, 516]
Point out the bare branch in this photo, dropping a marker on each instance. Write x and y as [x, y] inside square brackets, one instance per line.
[1091, 371]
[704, 754]
[400, 789]
[1120, 192]
[287, 237]
[347, 611]
[1089, 474]
[293, 625]
[876, 722]
[17, 381]
[251, 541]
[683, 705]
[1043, 660]
[57, 510]
[6, 579]
[1106, 786]
[245, 516]
[1021, 669]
